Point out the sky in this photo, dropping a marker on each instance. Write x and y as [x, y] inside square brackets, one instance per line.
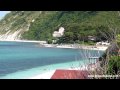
[3, 13]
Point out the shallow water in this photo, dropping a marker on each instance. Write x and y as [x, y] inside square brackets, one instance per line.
[22, 60]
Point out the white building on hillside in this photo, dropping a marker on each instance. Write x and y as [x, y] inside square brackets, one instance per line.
[59, 33]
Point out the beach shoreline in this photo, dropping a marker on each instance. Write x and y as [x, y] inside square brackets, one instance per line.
[70, 46]
[24, 41]
[77, 46]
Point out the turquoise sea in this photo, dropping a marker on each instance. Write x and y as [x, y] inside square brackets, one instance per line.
[19, 60]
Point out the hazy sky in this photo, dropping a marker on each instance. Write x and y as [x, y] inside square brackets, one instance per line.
[3, 13]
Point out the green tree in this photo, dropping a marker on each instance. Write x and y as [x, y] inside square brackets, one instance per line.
[49, 41]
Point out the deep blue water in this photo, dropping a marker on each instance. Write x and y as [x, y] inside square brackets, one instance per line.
[21, 56]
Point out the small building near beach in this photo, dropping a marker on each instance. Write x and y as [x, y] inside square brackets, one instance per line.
[59, 33]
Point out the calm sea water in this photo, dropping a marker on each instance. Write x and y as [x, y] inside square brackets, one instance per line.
[23, 60]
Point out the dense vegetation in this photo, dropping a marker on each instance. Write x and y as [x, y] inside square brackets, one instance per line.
[78, 25]
[114, 65]
[110, 60]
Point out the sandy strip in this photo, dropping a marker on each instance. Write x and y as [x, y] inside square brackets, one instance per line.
[46, 75]
[102, 48]
[24, 41]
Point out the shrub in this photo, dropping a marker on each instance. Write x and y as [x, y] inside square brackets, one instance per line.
[114, 65]
[49, 41]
